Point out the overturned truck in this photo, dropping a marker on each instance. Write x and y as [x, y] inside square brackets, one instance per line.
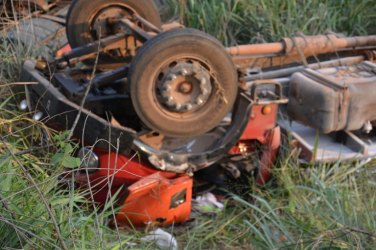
[155, 105]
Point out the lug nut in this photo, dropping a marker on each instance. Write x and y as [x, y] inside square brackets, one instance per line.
[170, 100]
[173, 77]
[200, 101]
[188, 107]
[184, 72]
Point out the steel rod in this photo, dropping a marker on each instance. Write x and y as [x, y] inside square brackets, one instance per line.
[291, 70]
[304, 46]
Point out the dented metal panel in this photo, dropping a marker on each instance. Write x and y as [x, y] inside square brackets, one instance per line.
[334, 99]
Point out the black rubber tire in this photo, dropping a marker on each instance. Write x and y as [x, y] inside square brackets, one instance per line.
[38, 36]
[168, 46]
[78, 24]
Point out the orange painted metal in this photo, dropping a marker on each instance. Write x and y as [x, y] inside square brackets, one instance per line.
[67, 48]
[261, 128]
[157, 198]
[256, 49]
[116, 168]
[259, 124]
[268, 156]
[145, 195]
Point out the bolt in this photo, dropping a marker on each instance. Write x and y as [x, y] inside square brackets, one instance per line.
[37, 116]
[41, 64]
[23, 105]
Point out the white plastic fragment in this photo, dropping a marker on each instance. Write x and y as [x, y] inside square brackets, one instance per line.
[208, 200]
[163, 239]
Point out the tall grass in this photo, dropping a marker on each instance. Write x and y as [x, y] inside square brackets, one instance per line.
[250, 21]
[317, 207]
[37, 209]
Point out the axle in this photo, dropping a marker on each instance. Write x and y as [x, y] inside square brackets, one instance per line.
[305, 46]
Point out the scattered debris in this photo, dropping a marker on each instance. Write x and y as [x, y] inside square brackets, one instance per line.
[163, 239]
[207, 203]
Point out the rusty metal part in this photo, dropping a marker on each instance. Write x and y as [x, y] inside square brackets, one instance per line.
[89, 49]
[267, 96]
[102, 24]
[298, 49]
[102, 19]
[139, 32]
[148, 25]
[42, 4]
[257, 49]
[307, 46]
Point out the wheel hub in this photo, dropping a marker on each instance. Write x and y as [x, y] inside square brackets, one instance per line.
[185, 87]
[100, 25]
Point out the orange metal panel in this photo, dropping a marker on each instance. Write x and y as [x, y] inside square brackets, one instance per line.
[157, 199]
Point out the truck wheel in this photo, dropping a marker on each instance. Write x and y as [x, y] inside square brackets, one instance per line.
[86, 22]
[38, 36]
[182, 83]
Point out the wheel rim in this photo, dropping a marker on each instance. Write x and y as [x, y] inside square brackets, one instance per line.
[184, 86]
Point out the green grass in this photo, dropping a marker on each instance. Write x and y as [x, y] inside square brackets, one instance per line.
[252, 21]
[313, 208]
[304, 207]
